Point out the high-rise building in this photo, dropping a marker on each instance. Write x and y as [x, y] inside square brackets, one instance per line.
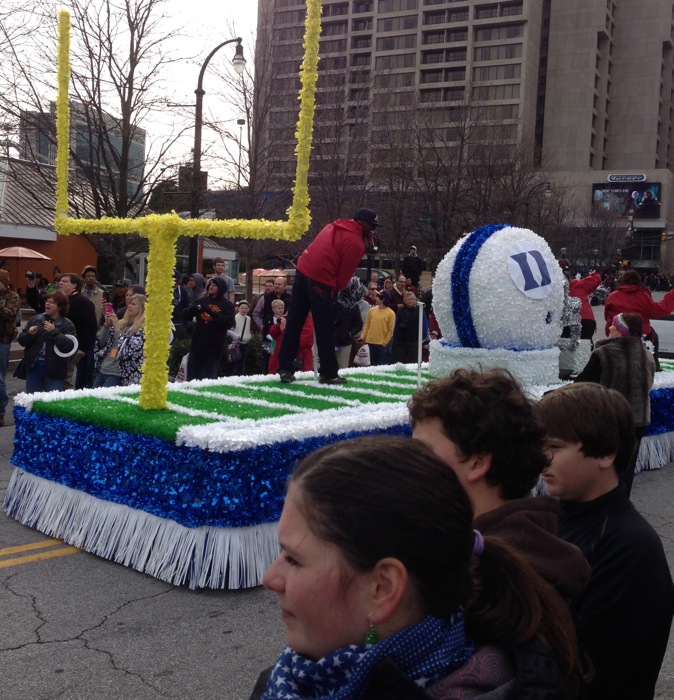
[585, 87]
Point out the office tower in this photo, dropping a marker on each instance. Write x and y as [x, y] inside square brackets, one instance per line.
[583, 87]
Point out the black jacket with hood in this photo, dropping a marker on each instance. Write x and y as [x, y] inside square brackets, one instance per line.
[213, 317]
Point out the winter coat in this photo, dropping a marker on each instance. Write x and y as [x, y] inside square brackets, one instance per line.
[530, 525]
[635, 299]
[528, 672]
[623, 617]
[580, 289]
[214, 316]
[56, 367]
[82, 313]
[10, 305]
[333, 256]
[131, 356]
[96, 296]
[623, 364]
[406, 329]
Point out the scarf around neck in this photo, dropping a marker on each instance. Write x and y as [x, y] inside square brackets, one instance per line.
[423, 653]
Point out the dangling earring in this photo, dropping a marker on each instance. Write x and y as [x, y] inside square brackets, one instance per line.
[371, 636]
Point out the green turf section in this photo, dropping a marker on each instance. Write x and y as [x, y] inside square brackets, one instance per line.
[281, 398]
[224, 409]
[120, 416]
[297, 398]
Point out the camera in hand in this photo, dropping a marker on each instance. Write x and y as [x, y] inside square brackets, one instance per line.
[33, 275]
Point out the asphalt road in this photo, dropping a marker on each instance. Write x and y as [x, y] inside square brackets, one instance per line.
[74, 626]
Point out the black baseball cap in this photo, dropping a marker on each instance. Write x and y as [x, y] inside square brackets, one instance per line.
[368, 216]
[124, 282]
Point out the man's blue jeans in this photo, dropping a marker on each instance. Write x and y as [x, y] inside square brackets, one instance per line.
[4, 361]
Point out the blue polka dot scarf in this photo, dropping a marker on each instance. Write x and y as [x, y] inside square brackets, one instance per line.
[424, 653]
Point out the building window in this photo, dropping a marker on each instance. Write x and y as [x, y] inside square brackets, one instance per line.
[434, 95]
[497, 92]
[511, 31]
[394, 24]
[457, 35]
[394, 43]
[394, 80]
[457, 16]
[333, 29]
[333, 63]
[433, 57]
[510, 10]
[333, 46]
[453, 74]
[497, 52]
[360, 25]
[361, 59]
[396, 5]
[362, 6]
[359, 76]
[437, 37]
[290, 17]
[405, 60]
[486, 12]
[435, 17]
[431, 76]
[455, 54]
[359, 94]
[504, 72]
[454, 93]
[361, 42]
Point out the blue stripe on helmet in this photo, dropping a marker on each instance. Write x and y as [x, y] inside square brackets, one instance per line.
[463, 265]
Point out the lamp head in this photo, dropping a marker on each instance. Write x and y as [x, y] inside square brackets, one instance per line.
[239, 62]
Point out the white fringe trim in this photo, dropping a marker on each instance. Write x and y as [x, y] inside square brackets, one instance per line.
[655, 452]
[204, 557]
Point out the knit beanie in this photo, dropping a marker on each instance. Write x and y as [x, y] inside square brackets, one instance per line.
[619, 323]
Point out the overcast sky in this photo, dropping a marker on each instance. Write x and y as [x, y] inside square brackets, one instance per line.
[205, 24]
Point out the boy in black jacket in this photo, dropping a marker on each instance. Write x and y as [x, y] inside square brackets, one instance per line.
[624, 615]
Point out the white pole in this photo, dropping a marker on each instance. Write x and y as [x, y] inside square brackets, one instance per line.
[314, 350]
[420, 306]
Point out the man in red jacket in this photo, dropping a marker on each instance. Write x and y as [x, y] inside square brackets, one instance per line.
[323, 269]
[632, 297]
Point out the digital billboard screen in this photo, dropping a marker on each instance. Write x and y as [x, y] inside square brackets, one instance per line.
[642, 199]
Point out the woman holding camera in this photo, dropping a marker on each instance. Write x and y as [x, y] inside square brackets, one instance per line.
[120, 345]
[49, 340]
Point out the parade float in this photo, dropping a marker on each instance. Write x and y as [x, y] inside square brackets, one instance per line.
[185, 482]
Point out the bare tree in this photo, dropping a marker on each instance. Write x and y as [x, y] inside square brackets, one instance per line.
[247, 152]
[120, 51]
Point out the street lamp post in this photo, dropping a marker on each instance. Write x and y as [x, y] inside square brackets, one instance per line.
[241, 123]
[239, 63]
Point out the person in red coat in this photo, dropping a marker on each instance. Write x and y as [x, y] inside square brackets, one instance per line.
[324, 269]
[633, 298]
[305, 353]
[581, 288]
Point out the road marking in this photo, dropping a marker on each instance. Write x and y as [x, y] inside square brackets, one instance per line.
[39, 556]
[42, 544]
